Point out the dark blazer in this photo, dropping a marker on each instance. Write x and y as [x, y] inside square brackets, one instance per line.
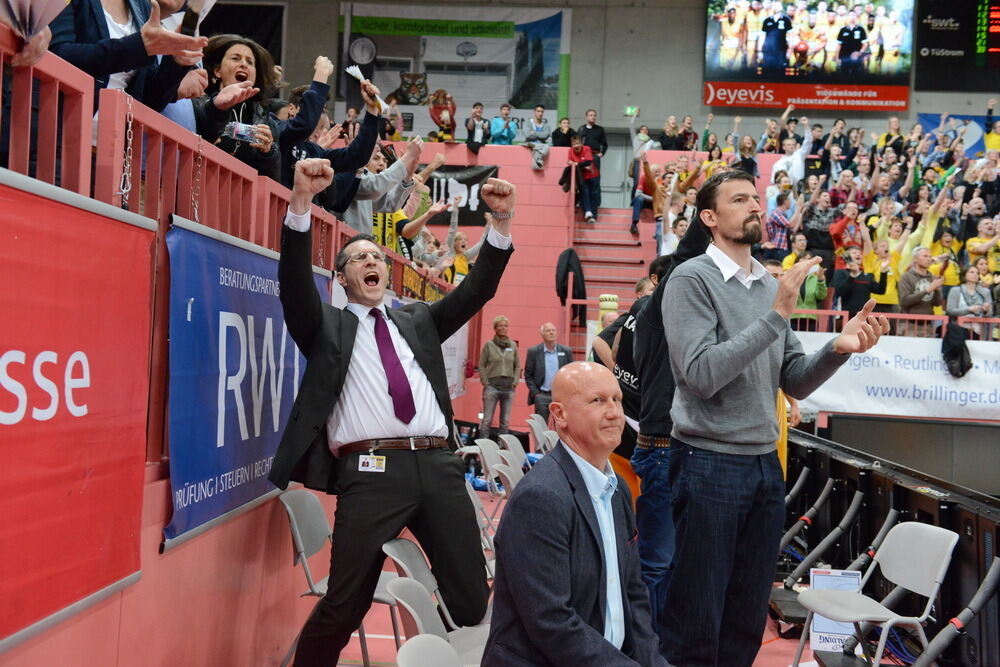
[534, 367]
[550, 593]
[325, 335]
[80, 36]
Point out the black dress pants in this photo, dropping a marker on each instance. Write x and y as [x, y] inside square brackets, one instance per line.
[422, 490]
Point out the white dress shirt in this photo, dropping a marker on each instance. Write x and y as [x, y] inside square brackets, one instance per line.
[364, 410]
[730, 268]
[601, 486]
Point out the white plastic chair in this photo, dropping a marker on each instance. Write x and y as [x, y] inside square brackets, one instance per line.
[310, 533]
[553, 440]
[513, 445]
[486, 529]
[537, 428]
[510, 460]
[414, 601]
[410, 559]
[914, 556]
[424, 650]
[508, 477]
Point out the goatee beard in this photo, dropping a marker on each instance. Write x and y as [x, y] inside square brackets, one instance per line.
[751, 233]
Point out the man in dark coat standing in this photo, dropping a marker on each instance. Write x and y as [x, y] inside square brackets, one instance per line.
[372, 421]
[540, 367]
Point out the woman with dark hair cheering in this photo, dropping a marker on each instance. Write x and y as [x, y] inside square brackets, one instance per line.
[241, 77]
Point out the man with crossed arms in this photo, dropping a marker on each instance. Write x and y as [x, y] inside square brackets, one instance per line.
[372, 421]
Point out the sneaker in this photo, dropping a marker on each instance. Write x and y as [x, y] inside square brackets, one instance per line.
[634, 229]
[589, 218]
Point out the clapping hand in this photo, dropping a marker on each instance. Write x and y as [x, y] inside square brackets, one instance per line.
[233, 94]
[789, 284]
[862, 331]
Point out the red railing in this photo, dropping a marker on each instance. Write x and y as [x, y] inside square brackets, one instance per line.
[169, 170]
[51, 109]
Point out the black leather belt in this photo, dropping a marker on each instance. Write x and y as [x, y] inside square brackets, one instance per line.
[652, 442]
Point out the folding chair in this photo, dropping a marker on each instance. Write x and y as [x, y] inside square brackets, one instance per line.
[513, 445]
[507, 477]
[516, 471]
[310, 533]
[538, 433]
[424, 650]
[553, 440]
[416, 602]
[486, 529]
[914, 556]
[408, 558]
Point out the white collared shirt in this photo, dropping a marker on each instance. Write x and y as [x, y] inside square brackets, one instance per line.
[601, 486]
[729, 268]
[364, 410]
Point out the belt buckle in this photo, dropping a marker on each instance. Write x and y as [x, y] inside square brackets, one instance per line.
[413, 447]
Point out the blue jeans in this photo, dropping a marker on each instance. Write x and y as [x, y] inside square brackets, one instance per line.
[639, 202]
[654, 522]
[728, 512]
[590, 195]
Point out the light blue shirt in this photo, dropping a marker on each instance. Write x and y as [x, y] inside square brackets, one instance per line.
[601, 488]
[551, 366]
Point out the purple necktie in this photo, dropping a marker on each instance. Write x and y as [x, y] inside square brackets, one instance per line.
[399, 385]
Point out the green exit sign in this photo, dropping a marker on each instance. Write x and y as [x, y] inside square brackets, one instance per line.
[631, 111]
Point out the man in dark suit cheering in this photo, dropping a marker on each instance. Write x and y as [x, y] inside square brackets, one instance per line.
[540, 366]
[586, 604]
[373, 421]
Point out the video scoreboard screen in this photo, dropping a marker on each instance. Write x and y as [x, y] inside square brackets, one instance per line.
[958, 45]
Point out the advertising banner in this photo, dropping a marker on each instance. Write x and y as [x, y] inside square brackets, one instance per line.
[234, 374]
[812, 54]
[417, 55]
[971, 126]
[449, 181]
[74, 393]
[958, 45]
[907, 377]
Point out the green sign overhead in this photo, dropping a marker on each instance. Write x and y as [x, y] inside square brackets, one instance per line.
[389, 25]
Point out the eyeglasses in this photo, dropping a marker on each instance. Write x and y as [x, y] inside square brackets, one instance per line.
[365, 254]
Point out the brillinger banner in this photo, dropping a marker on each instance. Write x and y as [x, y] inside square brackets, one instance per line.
[907, 377]
[234, 373]
[418, 54]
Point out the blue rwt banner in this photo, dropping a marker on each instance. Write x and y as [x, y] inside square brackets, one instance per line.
[234, 374]
[972, 138]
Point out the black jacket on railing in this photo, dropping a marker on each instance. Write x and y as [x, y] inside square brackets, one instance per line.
[80, 36]
[569, 262]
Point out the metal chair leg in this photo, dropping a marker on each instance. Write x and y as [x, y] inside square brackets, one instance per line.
[364, 646]
[802, 640]
[395, 626]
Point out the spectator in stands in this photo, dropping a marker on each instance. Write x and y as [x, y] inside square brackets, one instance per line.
[503, 129]
[778, 228]
[395, 231]
[350, 125]
[563, 135]
[668, 244]
[746, 156]
[873, 262]
[538, 137]
[811, 296]
[817, 218]
[643, 197]
[478, 129]
[797, 251]
[985, 244]
[891, 138]
[347, 410]
[670, 139]
[376, 188]
[118, 45]
[793, 161]
[241, 77]
[726, 321]
[970, 300]
[991, 137]
[540, 366]
[919, 292]
[854, 287]
[458, 261]
[689, 138]
[596, 140]
[294, 142]
[499, 371]
[846, 233]
[587, 604]
[590, 186]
